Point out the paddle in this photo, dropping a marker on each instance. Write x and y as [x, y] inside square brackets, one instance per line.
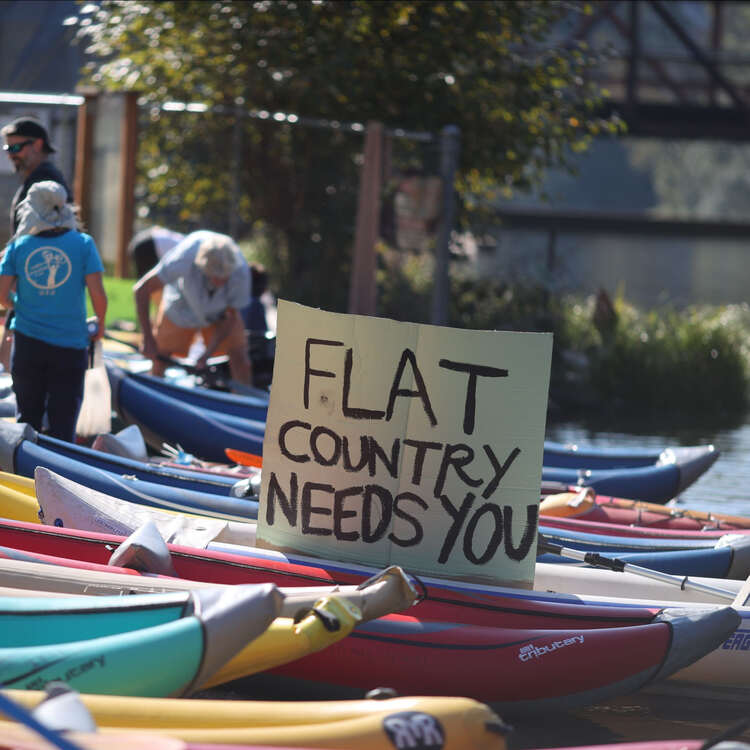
[20, 714]
[95, 416]
[244, 459]
[620, 566]
[211, 375]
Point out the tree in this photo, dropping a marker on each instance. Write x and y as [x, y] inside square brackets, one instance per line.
[500, 70]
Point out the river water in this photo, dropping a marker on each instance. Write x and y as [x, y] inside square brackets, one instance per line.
[648, 716]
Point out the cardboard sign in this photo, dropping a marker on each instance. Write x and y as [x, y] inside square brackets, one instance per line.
[397, 443]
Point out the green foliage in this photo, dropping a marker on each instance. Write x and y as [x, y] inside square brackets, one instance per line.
[608, 362]
[695, 360]
[501, 70]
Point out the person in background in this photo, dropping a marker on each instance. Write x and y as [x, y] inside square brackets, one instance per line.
[28, 148]
[149, 246]
[254, 315]
[205, 282]
[51, 264]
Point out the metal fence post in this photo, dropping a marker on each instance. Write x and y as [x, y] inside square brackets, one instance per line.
[450, 143]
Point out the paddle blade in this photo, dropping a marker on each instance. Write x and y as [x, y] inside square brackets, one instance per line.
[244, 459]
[96, 409]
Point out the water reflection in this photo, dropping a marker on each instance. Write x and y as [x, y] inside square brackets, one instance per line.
[725, 487]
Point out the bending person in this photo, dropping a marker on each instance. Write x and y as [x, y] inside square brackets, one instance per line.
[205, 282]
[52, 264]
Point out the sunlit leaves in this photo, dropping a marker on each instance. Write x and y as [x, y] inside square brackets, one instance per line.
[497, 68]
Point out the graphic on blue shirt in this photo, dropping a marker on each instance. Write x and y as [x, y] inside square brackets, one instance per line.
[47, 268]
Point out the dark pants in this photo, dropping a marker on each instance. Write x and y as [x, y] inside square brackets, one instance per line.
[48, 377]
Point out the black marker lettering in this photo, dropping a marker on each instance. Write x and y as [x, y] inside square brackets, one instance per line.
[354, 412]
[459, 516]
[529, 534]
[364, 455]
[456, 456]
[309, 343]
[470, 405]
[495, 539]
[340, 515]
[422, 447]
[299, 458]
[404, 516]
[288, 505]
[408, 356]
[336, 446]
[390, 463]
[381, 494]
[499, 470]
[308, 509]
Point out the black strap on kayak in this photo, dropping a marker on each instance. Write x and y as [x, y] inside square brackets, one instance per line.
[330, 622]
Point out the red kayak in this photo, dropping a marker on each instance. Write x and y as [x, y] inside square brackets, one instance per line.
[92, 551]
[585, 505]
[526, 656]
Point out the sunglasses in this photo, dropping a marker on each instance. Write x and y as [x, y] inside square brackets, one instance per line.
[14, 148]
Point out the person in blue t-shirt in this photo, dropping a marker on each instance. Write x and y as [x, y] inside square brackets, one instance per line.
[51, 264]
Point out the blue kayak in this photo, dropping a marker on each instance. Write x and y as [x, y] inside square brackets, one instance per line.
[571, 456]
[205, 422]
[20, 453]
[654, 484]
[724, 562]
[164, 418]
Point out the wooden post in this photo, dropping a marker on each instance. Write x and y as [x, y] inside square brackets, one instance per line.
[450, 143]
[128, 153]
[84, 142]
[362, 290]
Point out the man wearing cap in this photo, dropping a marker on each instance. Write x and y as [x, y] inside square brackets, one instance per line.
[205, 282]
[27, 146]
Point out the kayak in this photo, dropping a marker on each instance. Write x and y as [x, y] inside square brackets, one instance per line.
[65, 503]
[585, 504]
[570, 456]
[20, 454]
[165, 418]
[540, 668]
[692, 459]
[189, 650]
[143, 469]
[448, 602]
[28, 623]
[450, 723]
[207, 432]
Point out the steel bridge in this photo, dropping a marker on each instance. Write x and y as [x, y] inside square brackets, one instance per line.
[673, 69]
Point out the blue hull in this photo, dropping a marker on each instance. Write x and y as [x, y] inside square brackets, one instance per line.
[163, 418]
[21, 455]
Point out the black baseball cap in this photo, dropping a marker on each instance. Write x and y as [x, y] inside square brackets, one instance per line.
[31, 128]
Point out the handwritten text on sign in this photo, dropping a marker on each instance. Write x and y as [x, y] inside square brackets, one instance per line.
[398, 443]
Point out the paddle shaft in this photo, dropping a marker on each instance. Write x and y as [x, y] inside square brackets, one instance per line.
[209, 370]
[23, 716]
[620, 566]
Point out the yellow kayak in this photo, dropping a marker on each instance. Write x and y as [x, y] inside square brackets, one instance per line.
[285, 640]
[461, 723]
[18, 498]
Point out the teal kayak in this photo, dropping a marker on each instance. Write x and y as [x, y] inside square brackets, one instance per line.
[42, 621]
[168, 659]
